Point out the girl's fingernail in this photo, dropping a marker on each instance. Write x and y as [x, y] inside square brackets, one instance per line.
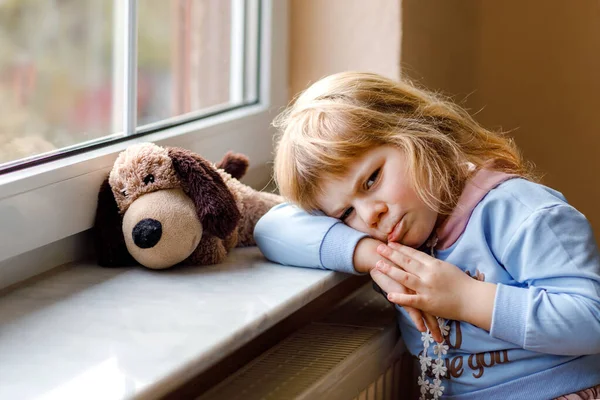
[381, 248]
[390, 297]
[394, 245]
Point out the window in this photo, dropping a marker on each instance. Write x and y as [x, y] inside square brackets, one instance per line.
[200, 68]
[55, 74]
[80, 80]
[66, 86]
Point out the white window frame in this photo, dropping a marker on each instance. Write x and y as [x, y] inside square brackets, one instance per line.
[46, 211]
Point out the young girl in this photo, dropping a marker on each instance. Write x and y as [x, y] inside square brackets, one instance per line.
[445, 215]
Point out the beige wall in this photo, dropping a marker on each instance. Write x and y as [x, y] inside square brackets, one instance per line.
[329, 36]
[533, 66]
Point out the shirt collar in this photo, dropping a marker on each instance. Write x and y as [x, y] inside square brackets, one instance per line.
[475, 190]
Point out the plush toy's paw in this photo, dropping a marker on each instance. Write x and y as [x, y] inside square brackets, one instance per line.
[210, 251]
[232, 240]
[235, 164]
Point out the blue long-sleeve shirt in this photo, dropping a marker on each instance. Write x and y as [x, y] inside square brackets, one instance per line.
[545, 334]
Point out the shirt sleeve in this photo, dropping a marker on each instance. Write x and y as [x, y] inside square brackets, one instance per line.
[291, 236]
[554, 305]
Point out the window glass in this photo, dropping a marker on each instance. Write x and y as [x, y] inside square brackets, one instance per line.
[63, 77]
[56, 75]
[184, 57]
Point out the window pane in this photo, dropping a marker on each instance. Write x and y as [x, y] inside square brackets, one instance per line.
[56, 83]
[62, 68]
[185, 61]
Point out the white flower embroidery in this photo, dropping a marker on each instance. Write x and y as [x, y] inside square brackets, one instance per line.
[439, 368]
[436, 389]
[444, 327]
[440, 349]
[425, 361]
[424, 384]
[426, 338]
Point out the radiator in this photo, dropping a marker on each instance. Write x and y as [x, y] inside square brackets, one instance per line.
[388, 385]
[353, 353]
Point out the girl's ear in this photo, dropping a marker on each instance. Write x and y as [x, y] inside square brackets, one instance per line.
[235, 164]
[215, 205]
[109, 242]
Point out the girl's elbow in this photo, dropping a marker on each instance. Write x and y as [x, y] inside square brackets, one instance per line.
[262, 234]
[265, 226]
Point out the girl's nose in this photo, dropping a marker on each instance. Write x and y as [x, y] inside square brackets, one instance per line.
[371, 212]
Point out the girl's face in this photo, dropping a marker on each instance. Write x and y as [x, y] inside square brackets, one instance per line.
[377, 197]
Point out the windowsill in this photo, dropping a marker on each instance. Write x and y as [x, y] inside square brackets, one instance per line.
[132, 332]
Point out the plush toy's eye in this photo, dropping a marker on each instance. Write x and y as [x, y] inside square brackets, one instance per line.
[149, 179]
[124, 192]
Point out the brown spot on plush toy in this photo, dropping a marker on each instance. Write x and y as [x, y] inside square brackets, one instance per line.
[163, 206]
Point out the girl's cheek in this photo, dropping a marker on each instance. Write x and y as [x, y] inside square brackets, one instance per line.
[391, 188]
[354, 223]
[357, 223]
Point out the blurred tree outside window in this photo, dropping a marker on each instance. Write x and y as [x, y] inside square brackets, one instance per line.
[59, 71]
[183, 57]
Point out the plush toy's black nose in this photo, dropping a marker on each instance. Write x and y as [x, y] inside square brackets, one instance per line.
[147, 233]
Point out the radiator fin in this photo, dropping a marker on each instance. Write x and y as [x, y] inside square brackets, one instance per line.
[295, 364]
[352, 353]
[387, 386]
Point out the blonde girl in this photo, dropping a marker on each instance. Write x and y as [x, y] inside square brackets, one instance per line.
[386, 178]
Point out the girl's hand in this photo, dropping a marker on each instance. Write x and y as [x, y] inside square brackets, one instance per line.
[440, 288]
[365, 258]
[388, 285]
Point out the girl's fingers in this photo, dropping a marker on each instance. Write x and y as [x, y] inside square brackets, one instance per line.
[406, 300]
[407, 280]
[417, 318]
[404, 261]
[421, 257]
[434, 327]
[386, 283]
[411, 263]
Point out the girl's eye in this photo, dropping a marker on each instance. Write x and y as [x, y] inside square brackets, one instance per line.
[372, 179]
[346, 213]
[124, 192]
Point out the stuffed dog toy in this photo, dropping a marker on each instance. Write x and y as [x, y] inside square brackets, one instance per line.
[164, 206]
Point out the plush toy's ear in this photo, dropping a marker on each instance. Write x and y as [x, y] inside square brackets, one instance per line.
[214, 202]
[235, 164]
[111, 250]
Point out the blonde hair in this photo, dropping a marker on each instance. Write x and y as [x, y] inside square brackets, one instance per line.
[340, 117]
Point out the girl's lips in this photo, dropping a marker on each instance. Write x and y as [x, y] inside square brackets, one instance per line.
[395, 234]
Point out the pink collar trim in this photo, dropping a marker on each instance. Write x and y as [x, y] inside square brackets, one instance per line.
[475, 190]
